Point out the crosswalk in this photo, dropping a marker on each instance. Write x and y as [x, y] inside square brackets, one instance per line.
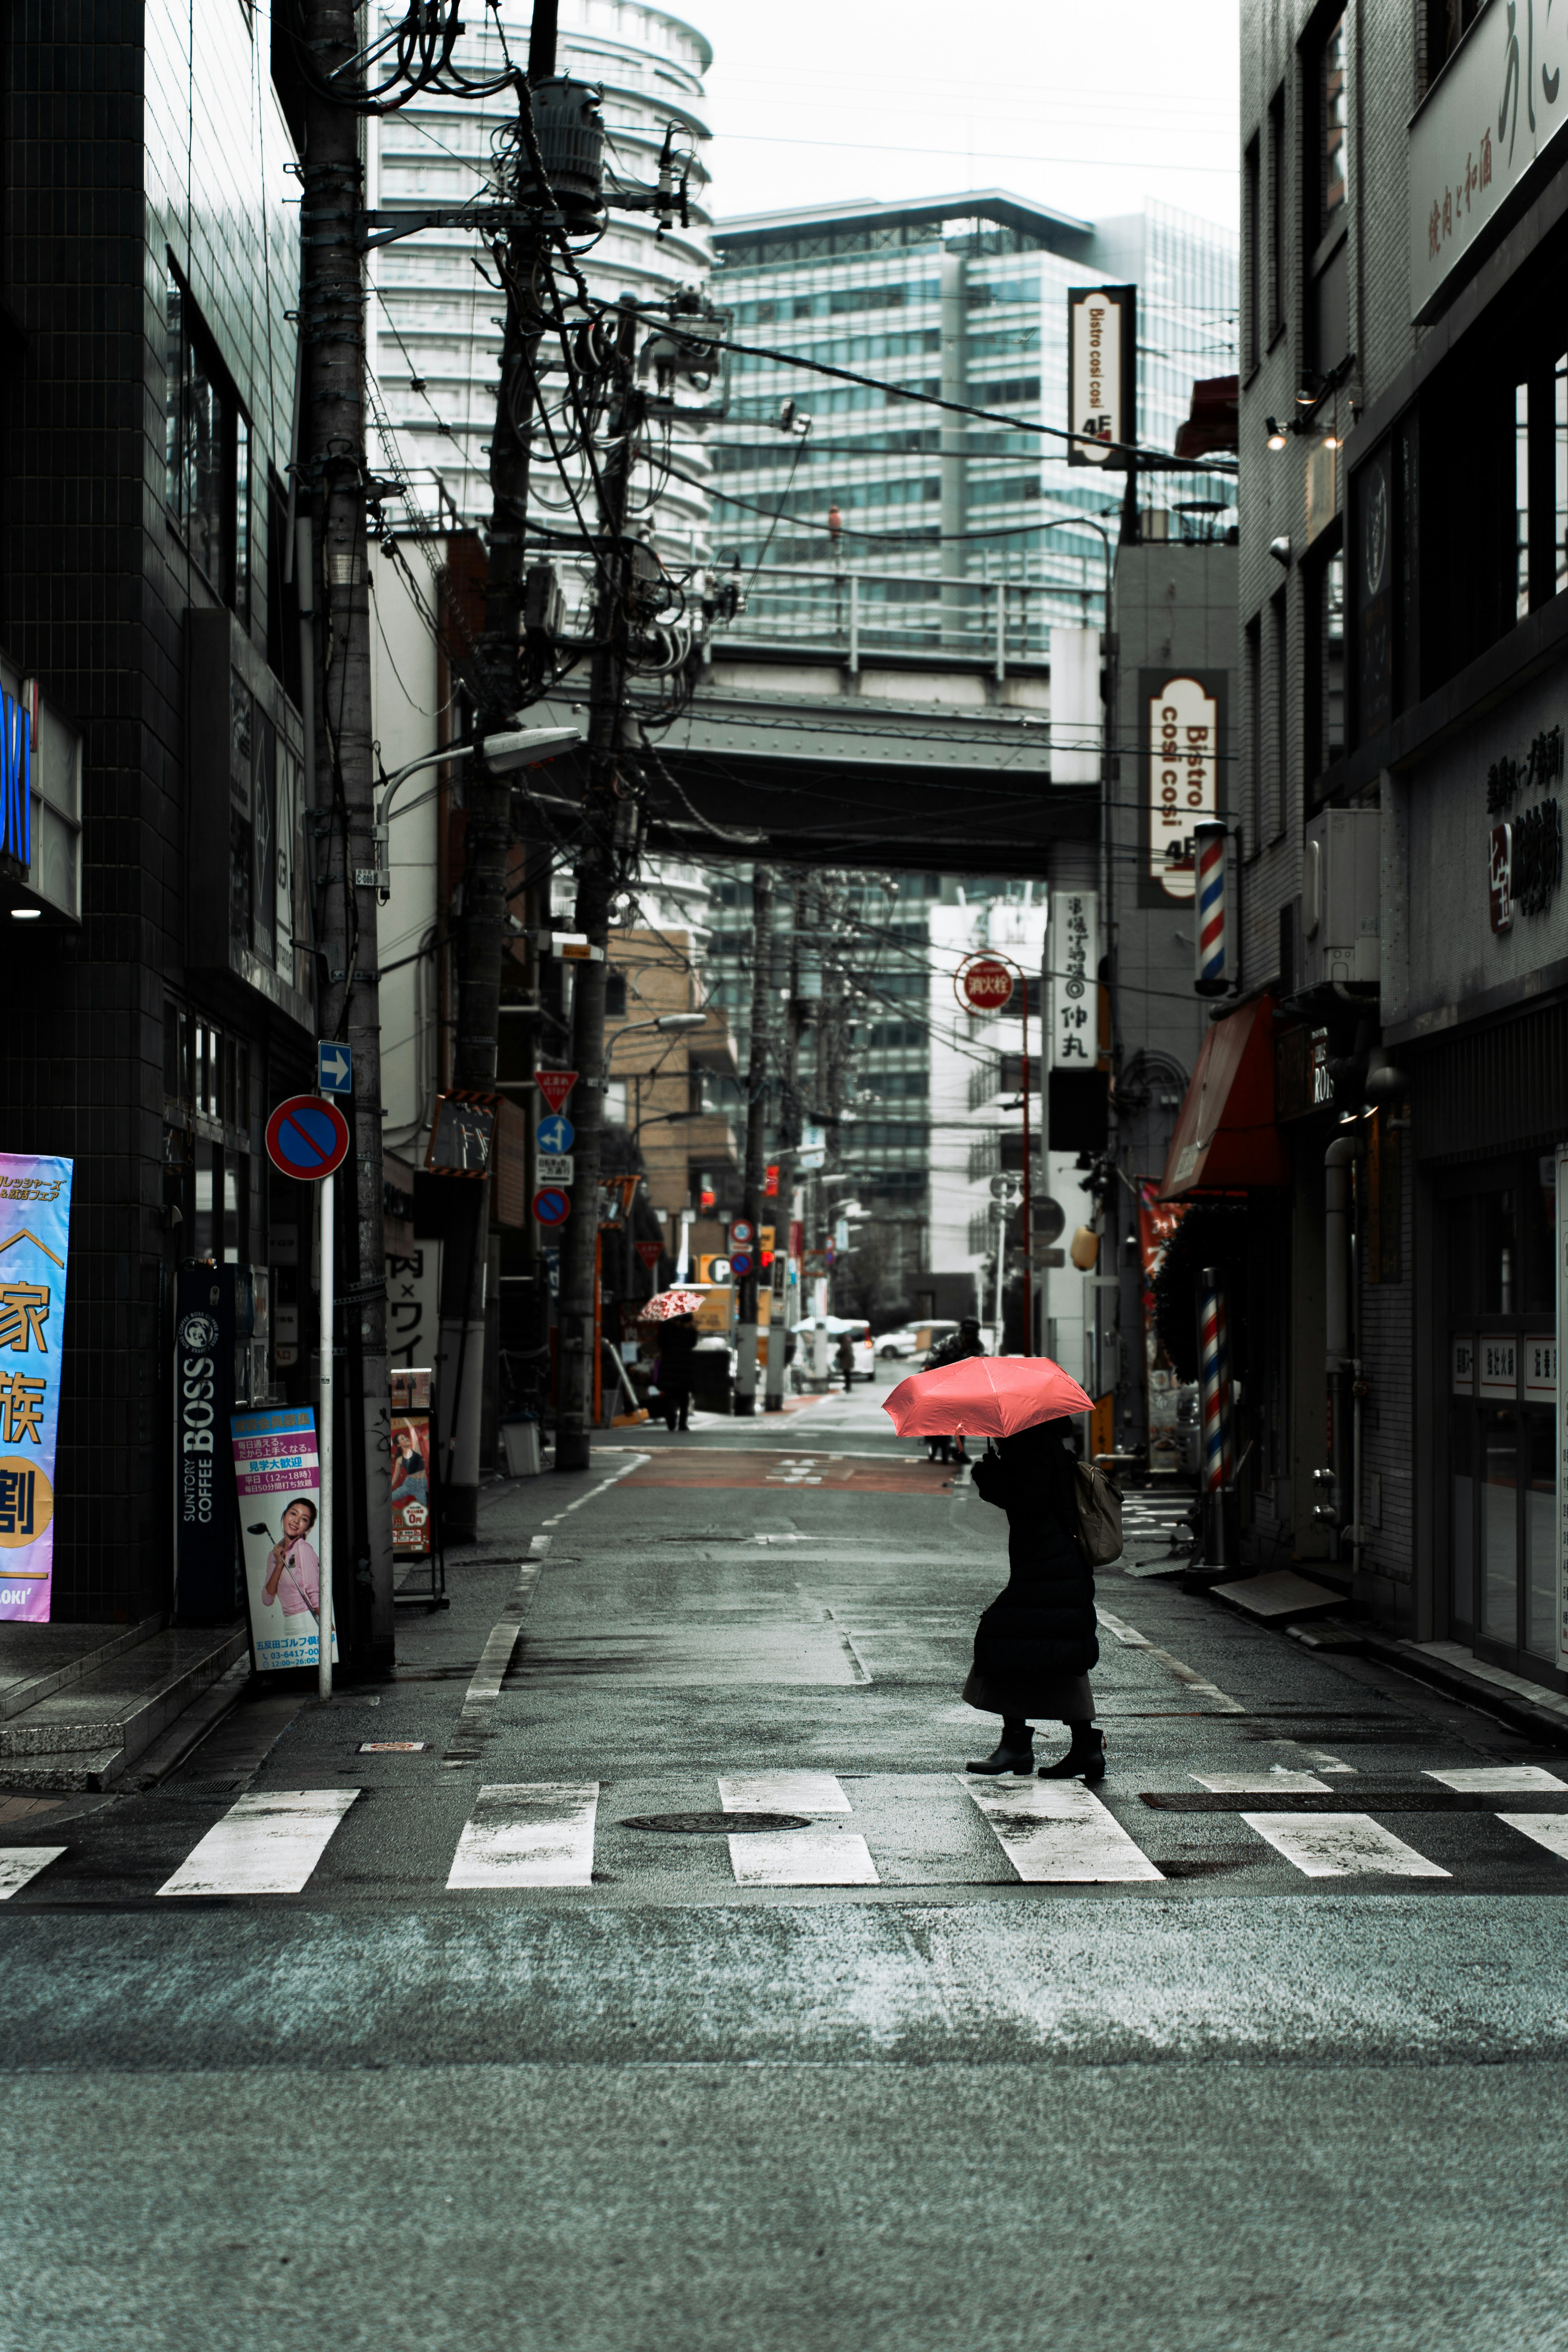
[1157, 1520]
[807, 1828]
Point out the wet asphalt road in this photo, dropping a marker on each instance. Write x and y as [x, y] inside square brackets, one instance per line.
[1223, 2103]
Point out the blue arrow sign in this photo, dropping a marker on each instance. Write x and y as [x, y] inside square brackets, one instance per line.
[334, 1067]
[556, 1135]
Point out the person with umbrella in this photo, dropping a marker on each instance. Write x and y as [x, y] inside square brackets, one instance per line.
[1035, 1643]
[678, 1344]
[958, 1345]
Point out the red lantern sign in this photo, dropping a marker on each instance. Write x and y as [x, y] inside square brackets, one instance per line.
[983, 983]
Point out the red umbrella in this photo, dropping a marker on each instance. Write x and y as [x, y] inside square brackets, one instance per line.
[983, 1396]
[672, 1303]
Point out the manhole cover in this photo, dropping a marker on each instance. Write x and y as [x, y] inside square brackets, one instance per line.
[715, 1824]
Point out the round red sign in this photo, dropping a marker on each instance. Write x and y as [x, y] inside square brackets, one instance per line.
[308, 1137]
[985, 984]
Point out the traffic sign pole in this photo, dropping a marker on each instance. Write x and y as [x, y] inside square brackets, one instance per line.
[324, 1442]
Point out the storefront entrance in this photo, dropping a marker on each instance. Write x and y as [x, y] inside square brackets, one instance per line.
[1500, 1222]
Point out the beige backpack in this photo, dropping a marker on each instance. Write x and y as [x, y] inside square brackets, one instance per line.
[1099, 1502]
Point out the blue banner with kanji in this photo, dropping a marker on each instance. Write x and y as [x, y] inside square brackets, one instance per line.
[34, 1244]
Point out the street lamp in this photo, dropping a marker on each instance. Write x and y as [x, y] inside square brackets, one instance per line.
[521, 747]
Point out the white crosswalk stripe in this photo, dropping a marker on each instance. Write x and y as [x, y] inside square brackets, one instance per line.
[1279, 1782]
[1550, 1830]
[529, 1834]
[1058, 1832]
[1341, 1845]
[784, 1793]
[1499, 1780]
[19, 1864]
[814, 1857]
[264, 1844]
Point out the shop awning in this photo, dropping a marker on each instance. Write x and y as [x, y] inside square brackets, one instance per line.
[1226, 1138]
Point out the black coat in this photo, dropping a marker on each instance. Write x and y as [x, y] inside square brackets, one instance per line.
[677, 1347]
[1042, 1628]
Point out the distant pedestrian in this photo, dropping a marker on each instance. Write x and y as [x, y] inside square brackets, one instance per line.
[847, 1358]
[1035, 1643]
[673, 1371]
[965, 1341]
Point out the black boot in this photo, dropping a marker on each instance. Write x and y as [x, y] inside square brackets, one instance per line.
[1085, 1758]
[1014, 1752]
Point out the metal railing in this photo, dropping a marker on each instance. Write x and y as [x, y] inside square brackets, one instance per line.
[855, 613]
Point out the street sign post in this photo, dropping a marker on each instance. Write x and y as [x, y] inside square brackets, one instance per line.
[556, 1135]
[650, 1253]
[555, 1086]
[556, 1168]
[334, 1067]
[983, 983]
[308, 1137]
[551, 1207]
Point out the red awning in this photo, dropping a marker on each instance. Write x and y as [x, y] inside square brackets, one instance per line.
[1226, 1137]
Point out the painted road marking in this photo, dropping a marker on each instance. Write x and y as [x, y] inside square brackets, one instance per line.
[626, 1468]
[1131, 1639]
[801, 1858]
[266, 1844]
[1484, 1779]
[1341, 1845]
[485, 1688]
[1058, 1832]
[1550, 1830]
[18, 1863]
[784, 1793]
[1277, 1782]
[529, 1834]
[836, 1474]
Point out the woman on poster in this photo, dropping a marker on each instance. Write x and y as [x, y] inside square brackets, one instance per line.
[294, 1570]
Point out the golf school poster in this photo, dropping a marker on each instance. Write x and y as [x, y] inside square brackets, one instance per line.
[277, 1475]
[35, 1243]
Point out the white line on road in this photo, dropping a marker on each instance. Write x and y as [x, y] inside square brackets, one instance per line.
[801, 1858]
[1058, 1832]
[266, 1844]
[1550, 1830]
[530, 1834]
[632, 1462]
[1131, 1639]
[1341, 1845]
[1483, 1780]
[18, 1863]
[782, 1792]
[1277, 1782]
[539, 1546]
[485, 1688]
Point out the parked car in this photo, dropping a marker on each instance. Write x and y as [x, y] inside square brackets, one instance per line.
[860, 1331]
[913, 1339]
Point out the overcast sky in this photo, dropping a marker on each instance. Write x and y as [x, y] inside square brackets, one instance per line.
[1087, 107]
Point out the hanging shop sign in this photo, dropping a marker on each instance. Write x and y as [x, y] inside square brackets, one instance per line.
[278, 1477]
[413, 1304]
[1478, 145]
[34, 1248]
[1525, 848]
[1184, 718]
[462, 1133]
[1072, 950]
[1102, 374]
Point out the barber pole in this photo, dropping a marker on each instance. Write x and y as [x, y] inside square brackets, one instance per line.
[1214, 958]
[1217, 1465]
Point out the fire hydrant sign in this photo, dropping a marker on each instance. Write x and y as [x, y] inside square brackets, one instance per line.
[34, 1244]
[985, 984]
[278, 1472]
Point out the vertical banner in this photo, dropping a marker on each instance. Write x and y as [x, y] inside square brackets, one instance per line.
[1561, 1304]
[1183, 720]
[277, 1473]
[414, 1305]
[1102, 374]
[1072, 947]
[34, 1244]
[410, 1394]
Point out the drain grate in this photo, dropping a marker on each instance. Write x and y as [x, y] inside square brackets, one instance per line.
[715, 1824]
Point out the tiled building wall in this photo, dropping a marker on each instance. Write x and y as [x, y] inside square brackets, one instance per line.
[121, 144]
[1388, 1332]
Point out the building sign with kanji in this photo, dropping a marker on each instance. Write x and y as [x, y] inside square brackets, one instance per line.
[34, 1244]
[1073, 959]
[1498, 105]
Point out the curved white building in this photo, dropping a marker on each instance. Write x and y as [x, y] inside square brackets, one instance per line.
[433, 319]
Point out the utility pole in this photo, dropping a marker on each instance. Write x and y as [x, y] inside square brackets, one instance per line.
[609, 822]
[482, 931]
[756, 1136]
[332, 455]
[789, 1141]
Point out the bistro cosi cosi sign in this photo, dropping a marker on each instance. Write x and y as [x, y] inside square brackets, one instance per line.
[1183, 716]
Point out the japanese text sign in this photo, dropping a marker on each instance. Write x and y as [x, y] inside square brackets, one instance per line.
[1497, 107]
[1072, 950]
[35, 1243]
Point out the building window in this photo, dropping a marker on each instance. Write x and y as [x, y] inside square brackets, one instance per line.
[1251, 256]
[1281, 763]
[1326, 183]
[1539, 570]
[1275, 224]
[1448, 22]
[1252, 663]
[1324, 712]
[206, 454]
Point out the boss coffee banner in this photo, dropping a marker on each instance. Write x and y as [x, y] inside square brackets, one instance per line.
[34, 1245]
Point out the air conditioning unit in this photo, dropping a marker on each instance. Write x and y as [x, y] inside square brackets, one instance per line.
[1340, 900]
